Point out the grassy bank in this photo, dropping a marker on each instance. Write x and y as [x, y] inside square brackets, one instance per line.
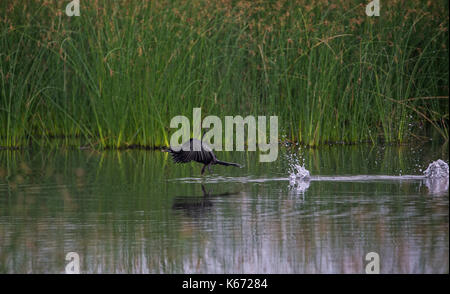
[116, 75]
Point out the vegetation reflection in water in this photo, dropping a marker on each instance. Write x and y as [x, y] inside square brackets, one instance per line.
[131, 212]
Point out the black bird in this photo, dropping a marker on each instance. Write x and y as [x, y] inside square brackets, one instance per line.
[187, 152]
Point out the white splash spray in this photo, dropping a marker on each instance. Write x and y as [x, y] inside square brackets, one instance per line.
[437, 170]
[299, 176]
[437, 177]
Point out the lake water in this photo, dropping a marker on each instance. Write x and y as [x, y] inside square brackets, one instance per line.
[138, 212]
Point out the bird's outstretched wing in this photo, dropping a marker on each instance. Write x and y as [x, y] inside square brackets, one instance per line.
[188, 152]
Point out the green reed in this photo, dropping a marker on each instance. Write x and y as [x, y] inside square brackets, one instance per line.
[115, 76]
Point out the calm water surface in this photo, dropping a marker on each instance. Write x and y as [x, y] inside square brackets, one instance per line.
[137, 212]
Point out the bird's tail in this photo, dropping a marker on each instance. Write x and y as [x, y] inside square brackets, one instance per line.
[228, 163]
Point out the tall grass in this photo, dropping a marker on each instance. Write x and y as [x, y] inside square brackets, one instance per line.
[115, 76]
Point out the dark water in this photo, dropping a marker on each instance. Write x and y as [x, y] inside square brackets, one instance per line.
[137, 212]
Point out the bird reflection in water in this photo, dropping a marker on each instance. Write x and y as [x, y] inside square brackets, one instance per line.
[195, 205]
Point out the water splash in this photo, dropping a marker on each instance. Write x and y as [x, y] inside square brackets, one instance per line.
[299, 176]
[299, 186]
[437, 170]
[437, 177]
[298, 172]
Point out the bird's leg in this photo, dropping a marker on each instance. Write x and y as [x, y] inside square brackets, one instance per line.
[205, 193]
[203, 169]
[209, 168]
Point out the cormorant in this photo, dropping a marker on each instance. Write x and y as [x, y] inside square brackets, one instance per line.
[205, 155]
